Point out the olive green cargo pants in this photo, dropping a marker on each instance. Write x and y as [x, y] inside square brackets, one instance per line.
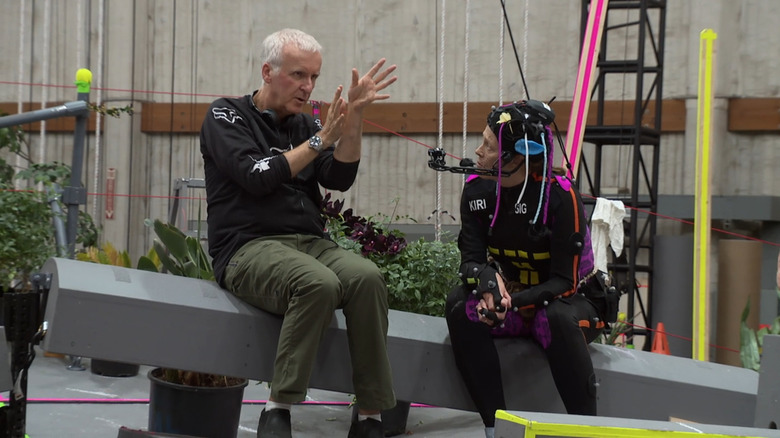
[305, 279]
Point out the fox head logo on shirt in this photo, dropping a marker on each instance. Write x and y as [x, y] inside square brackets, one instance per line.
[260, 165]
[226, 113]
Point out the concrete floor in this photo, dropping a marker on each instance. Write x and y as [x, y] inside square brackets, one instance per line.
[66, 403]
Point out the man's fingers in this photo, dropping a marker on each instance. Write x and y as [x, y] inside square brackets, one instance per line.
[376, 68]
[339, 89]
[385, 84]
[384, 74]
[355, 78]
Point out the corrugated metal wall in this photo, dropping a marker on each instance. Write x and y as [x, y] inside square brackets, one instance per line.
[196, 50]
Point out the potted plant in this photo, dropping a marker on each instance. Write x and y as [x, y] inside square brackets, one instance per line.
[26, 216]
[180, 401]
[419, 274]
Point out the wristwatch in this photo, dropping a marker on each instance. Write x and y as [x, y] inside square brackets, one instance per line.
[315, 142]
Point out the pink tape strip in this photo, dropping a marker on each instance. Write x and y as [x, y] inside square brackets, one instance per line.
[579, 112]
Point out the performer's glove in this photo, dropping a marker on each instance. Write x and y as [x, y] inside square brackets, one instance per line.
[480, 278]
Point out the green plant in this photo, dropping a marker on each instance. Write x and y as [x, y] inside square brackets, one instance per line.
[616, 331]
[26, 231]
[184, 256]
[419, 274]
[107, 255]
[178, 253]
[752, 341]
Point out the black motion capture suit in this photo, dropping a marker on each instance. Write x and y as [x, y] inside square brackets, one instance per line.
[552, 260]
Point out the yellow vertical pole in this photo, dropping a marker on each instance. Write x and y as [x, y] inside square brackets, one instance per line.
[701, 266]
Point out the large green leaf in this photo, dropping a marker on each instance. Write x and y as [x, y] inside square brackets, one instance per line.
[749, 347]
[174, 240]
[146, 264]
[745, 311]
[748, 352]
[167, 261]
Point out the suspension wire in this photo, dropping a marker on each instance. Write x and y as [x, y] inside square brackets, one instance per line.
[466, 82]
[525, 44]
[437, 222]
[98, 77]
[20, 91]
[195, 150]
[45, 79]
[514, 47]
[501, 59]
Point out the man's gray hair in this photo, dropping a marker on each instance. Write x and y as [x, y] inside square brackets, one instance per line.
[274, 43]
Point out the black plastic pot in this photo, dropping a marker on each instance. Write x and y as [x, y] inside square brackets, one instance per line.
[393, 420]
[109, 368]
[197, 411]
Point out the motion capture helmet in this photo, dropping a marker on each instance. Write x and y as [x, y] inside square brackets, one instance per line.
[523, 128]
[520, 127]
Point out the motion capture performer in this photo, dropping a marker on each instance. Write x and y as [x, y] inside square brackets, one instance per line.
[526, 263]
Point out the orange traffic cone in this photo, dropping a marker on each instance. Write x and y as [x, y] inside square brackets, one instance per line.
[660, 344]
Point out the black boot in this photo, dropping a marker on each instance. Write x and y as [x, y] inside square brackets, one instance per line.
[274, 424]
[368, 428]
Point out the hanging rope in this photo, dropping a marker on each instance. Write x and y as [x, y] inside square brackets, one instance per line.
[466, 82]
[98, 116]
[525, 44]
[45, 78]
[501, 58]
[514, 47]
[440, 143]
[22, 5]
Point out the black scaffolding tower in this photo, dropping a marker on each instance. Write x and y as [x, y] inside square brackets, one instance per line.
[630, 66]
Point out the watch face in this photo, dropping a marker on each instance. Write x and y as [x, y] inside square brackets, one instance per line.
[315, 143]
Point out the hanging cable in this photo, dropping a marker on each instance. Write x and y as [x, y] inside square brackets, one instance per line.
[45, 78]
[466, 82]
[440, 142]
[501, 59]
[514, 47]
[98, 77]
[19, 108]
[525, 45]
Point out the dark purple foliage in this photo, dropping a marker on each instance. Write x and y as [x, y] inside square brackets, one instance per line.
[374, 240]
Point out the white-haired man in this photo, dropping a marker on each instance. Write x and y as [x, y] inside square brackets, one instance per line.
[264, 162]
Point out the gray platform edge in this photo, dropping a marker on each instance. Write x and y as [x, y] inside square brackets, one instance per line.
[113, 313]
[511, 429]
[768, 398]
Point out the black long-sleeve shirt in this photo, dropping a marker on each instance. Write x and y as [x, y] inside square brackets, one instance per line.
[249, 190]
